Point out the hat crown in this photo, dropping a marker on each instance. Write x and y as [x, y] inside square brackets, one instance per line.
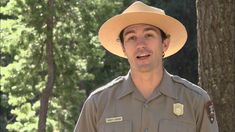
[141, 7]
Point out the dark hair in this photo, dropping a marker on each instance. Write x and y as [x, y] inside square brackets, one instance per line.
[163, 35]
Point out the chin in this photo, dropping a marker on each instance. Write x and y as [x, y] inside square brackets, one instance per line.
[144, 68]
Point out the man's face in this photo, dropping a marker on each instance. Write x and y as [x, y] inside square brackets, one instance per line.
[144, 47]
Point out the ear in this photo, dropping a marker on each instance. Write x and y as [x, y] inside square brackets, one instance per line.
[166, 44]
[123, 49]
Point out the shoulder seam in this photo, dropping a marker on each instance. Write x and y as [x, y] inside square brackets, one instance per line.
[188, 85]
[111, 84]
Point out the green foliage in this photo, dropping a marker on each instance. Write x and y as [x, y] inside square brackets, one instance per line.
[24, 76]
[93, 15]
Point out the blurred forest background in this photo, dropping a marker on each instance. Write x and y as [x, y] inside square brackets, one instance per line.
[80, 63]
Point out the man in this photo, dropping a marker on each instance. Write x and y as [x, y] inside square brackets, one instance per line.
[148, 98]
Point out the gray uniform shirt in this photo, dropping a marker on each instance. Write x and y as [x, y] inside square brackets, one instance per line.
[176, 105]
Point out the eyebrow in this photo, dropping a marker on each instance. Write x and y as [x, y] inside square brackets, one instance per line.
[146, 29]
[150, 29]
[131, 31]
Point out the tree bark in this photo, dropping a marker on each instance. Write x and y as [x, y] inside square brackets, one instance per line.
[216, 50]
[51, 70]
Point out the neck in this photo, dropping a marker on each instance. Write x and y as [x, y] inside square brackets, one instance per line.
[146, 82]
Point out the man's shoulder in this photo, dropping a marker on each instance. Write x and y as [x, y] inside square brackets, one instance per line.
[188, 86]
[109, 86]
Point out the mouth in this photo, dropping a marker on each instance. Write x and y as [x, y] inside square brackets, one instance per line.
[143, 56]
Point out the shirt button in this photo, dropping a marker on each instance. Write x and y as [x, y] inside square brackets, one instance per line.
[146, 130]
[145, 105]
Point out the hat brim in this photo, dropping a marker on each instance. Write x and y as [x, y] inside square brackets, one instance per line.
[110, 30]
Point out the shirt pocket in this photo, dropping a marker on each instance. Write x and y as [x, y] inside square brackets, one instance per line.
[123, 126]
[168, 125]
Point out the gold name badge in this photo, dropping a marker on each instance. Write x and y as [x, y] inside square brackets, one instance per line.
[178, 109]
[113, 119]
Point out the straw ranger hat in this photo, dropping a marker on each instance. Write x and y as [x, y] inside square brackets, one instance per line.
[138, 13]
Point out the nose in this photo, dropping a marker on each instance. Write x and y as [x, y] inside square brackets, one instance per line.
[140, 42]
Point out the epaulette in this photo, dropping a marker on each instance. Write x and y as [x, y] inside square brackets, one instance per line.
[188, 84]
[109, 85]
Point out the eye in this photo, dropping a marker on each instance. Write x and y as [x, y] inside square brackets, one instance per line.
[130, 38]
[149, 35]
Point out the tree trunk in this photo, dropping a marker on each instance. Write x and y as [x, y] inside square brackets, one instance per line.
[51, 71]
[216, 50]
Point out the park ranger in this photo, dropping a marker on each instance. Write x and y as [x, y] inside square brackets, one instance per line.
[148, 98]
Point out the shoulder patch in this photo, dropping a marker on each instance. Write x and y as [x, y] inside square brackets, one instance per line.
[108, 85]
[210, 111]
[188, 84]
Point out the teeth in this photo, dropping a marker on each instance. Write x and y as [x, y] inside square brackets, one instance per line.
[142, 55]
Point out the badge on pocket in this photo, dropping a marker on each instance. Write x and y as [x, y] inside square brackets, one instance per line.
[178, 109]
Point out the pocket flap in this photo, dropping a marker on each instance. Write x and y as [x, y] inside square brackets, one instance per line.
[167, 125]
[123, 126]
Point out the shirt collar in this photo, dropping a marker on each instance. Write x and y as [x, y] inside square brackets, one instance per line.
[166, 86]
[127, 86]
